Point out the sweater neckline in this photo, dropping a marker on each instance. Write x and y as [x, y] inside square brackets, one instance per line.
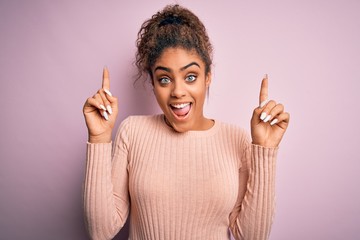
[199, 133]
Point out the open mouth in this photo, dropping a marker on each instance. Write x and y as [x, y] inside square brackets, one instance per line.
[181, 110]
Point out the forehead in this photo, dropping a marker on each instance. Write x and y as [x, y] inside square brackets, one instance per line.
[178, 57]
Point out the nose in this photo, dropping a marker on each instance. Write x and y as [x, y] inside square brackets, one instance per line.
[178, 90]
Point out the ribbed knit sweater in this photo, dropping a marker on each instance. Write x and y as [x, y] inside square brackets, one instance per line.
[192, 185]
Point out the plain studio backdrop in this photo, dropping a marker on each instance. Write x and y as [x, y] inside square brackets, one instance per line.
[51, 58]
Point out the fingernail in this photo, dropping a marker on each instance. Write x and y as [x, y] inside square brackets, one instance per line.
[263, 115]
[108, 107]
[265, 76]
[105, 115]
[102, 107]
[274, 121]
[107, 92]
[267, 118]
[263, 103]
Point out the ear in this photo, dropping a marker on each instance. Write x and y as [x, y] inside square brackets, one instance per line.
[208, 80]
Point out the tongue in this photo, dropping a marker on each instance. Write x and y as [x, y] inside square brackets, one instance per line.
[181, 111]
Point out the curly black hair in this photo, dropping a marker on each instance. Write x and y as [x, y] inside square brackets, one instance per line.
[174, 26]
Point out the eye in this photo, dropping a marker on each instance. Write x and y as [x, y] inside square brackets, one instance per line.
[191, 78]
[164, 80]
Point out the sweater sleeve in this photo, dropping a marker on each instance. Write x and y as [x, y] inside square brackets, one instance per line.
[253, 214]
[105, 195]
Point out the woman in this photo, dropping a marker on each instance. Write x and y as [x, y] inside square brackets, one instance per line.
[179, 175]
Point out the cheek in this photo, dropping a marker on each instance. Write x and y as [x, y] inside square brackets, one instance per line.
[199, 91]
[160, 95]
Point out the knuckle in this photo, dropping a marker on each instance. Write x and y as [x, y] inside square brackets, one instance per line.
[272, 102]
[267, 109]
[278, 109]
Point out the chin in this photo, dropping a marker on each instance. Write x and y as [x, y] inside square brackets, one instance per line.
[181, 123]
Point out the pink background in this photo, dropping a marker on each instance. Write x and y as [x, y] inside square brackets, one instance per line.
[51, 59]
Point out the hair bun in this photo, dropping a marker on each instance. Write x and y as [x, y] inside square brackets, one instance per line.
[171, 19]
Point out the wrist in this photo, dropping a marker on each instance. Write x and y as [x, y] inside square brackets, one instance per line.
[265, 144]
[103, 138]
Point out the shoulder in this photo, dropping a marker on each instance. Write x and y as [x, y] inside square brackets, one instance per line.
[234, 132]
[139, 122]
[231, 128]
[136, 120]
[136, 126]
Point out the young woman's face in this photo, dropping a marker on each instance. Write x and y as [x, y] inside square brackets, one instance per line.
[180, 86]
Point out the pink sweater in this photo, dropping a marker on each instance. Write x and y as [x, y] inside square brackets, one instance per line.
[193, 185]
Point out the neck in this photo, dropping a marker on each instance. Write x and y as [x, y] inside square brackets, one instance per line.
[205, 124]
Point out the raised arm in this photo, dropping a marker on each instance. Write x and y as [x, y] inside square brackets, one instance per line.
[253, 214]
[105, 193]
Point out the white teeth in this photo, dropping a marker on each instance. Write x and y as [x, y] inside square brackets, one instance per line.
[182, 105]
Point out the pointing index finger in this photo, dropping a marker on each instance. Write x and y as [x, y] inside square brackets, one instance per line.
[263, 91]
[106, 79]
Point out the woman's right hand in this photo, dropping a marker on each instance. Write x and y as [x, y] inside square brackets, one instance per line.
[100, 112]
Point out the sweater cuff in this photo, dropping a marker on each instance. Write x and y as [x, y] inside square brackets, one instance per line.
[265, 153]
[89, 143]
[270, 150]
[99, 151]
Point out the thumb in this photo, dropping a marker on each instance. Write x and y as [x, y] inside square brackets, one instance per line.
[255, 119]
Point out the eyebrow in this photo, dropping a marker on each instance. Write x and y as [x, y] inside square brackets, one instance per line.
[181, 69]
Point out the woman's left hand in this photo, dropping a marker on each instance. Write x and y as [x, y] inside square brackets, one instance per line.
[269, 121]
